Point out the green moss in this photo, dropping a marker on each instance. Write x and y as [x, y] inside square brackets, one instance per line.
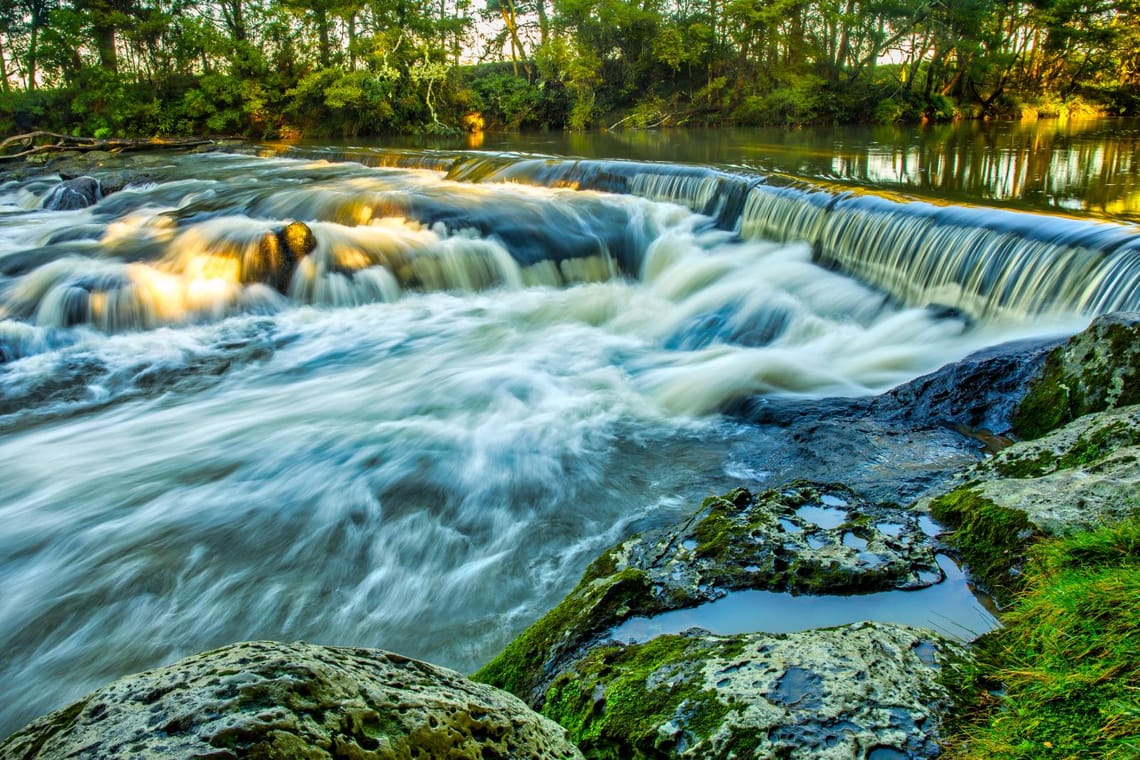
[1047, 404]
[990, 539]
[618, 697]
[1067, 658]
[716, 533]
[1089, 450]
[1040, 464]
[593, 605]
[1094, 371]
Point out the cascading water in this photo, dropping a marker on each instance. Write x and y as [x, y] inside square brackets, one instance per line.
[410, 420]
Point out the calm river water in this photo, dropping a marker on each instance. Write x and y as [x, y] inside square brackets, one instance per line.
[414, 431]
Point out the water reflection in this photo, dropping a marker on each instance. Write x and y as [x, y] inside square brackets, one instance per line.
[1082, 167]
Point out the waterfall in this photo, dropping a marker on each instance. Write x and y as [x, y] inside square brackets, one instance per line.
[983, 262]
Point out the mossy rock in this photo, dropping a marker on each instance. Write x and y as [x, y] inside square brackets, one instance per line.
[1097, 369]
[772, 541]
[990, 539]
[273, 700]
[839, 692]
[805, 537]
[528, 663]
[1077, 478]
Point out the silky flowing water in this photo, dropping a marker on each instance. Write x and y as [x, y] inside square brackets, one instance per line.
[416, 436]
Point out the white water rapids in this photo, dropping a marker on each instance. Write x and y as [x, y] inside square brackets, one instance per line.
[417, 444]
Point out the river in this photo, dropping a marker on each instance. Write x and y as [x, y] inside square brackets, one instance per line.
[483, 368]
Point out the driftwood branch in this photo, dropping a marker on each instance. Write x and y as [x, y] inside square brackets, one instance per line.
[29, 144]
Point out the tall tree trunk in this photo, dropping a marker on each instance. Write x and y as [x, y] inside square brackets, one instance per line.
[352, 40]
[33, 45]
[844, 40]
[507, 11]
[105, 43]
[543, 22]
[4, 71]
[234, 18]
[324, 51]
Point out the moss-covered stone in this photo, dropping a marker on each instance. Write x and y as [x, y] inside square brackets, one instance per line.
[527, 664]
[736, 541]
[273, 700]
[804, 538]
[1095, 370]
[1077, 477]
[816, 694]
[991, 540]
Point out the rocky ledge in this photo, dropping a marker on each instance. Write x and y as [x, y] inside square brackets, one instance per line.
[866, 690]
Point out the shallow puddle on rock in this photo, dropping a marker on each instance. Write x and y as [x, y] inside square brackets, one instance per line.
[790, 526]
[951, 608]
[824, 517]
[894, 530]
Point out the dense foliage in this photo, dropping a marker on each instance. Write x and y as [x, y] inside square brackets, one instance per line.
[279, 68]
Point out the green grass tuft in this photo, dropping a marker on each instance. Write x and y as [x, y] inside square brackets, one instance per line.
[1068, 658]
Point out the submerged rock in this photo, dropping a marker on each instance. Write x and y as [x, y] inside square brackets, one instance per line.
[275, 700]
[72, 194]
[298, 239]
[867, 690]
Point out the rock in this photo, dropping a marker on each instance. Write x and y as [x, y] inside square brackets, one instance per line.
[804, 537]
[902, 445]
[866, 690]
[978, 392]
[298, 239]
[1094, 370]
[274, 700]
[72, 194]
[114, 181]
[1081, 476]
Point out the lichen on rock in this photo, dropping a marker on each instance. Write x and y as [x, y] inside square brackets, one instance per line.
[803, 538]
[273, 700]
[835, 693]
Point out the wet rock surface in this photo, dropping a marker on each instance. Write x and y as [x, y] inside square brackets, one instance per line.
[907, 443]
[805, 537]
[866, 690]
[274, 700]
[71, 194]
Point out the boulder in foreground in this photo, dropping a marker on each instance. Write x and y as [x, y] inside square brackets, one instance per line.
[274, 700]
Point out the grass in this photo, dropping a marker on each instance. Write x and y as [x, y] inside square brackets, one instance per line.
[1067, 660]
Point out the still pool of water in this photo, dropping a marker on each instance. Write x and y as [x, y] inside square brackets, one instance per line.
[952, 608]
[1089, 167]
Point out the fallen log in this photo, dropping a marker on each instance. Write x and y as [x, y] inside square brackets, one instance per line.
[26, 145]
